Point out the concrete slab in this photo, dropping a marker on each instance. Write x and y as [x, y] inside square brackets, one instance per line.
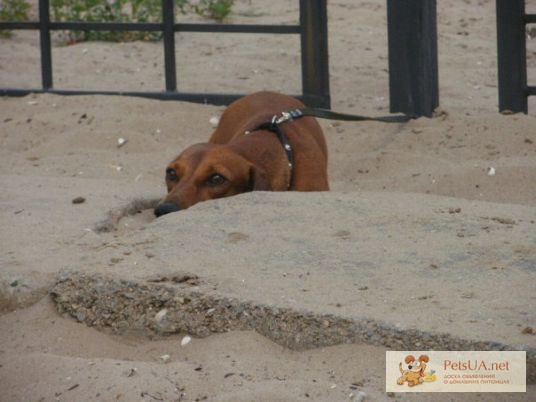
[405, 271]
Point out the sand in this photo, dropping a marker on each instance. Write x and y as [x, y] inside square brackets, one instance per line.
[54, 149]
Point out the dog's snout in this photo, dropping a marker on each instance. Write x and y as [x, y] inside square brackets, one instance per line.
[410, 366]
[166, 208]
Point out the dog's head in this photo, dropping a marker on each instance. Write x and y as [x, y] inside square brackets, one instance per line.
[208, 171]
[416, 365]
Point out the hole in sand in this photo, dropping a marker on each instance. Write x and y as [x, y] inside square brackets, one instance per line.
[132, 216]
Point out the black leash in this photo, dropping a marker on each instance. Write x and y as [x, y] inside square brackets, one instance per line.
[273, 125]
[331, 115]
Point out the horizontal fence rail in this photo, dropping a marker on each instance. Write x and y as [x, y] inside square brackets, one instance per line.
[512, 55]
[152, 27]
[313, 41]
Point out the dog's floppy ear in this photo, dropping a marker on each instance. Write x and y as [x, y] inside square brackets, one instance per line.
[423, 358]
[258, 180]
[409, 359]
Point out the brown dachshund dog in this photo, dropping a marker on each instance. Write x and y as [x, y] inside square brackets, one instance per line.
[415, 373]
[238, 158]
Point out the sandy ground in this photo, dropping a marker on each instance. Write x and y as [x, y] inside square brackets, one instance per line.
[53, 149]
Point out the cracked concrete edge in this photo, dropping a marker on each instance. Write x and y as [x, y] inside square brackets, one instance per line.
[123, 306]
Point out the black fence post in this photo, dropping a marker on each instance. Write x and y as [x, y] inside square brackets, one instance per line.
[44, 39]
[314, 53]
[512, 55]
[413, 71]
[168, 19]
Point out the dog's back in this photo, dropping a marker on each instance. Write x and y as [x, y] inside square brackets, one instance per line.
[250, 111]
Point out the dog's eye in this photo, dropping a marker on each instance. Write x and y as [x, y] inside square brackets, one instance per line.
[216, 179]
[171, 174]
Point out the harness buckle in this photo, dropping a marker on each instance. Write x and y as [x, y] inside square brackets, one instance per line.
[285, 116]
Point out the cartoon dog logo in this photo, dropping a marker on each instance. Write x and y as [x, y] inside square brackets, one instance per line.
[415, 373]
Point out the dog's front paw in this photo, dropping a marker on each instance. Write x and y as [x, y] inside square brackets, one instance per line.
[400, 381]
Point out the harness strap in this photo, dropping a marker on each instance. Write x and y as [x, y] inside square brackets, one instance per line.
[283, 139]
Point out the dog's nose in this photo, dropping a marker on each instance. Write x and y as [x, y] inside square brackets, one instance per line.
[166, 208]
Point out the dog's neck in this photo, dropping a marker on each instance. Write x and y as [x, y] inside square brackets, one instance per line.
[264, 148]
[273, 126]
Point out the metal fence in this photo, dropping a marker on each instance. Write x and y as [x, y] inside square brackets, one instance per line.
[313, 39]
[512, 55]
[413, 66]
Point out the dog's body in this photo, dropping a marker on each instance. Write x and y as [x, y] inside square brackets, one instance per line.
[237, 160]
[415, 373]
